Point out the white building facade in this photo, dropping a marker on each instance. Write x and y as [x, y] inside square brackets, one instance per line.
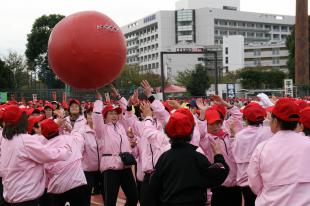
[198, 27]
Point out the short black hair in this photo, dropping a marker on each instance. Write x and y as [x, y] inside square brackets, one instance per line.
[307, 131]
[10, 130]
[284, 125]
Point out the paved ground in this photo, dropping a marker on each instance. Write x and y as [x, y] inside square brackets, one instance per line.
[97, 200]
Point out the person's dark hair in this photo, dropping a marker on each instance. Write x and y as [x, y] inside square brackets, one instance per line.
[138, 112]
[87, 112]
[176, 140]
[51, 136]
[307, 131]
[255, 124]
[284, 125]
[10, 130]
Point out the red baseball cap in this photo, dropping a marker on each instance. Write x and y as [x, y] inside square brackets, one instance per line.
[221, 109]
[12, 114]
[305, 117]
[49, 127]
[111, 107]
[181, 124]
[33, 120]
[212, 116]
[287, 110]
[254, 112]
[71, 101]
[49, 105]
[301, 103]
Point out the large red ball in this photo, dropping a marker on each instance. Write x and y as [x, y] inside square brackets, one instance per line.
[87, 50]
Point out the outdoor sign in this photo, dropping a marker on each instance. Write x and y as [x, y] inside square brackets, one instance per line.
[288, 87]
[231, 91]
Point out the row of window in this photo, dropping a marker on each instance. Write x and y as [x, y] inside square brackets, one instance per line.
[144, 31]
[250, 34]
[149, 66]
[258, 62]
[185, 15]
[275, 51]
[276, 28]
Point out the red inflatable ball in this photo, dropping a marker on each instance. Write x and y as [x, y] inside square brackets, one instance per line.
[87, 50]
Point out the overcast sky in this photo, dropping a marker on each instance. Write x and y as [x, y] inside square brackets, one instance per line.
[17, 16]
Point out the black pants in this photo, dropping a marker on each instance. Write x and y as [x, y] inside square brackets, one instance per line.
[249, 196]
[45, 199]
[2, 202]
[225, 196]
[92, 179]
[26, 203]
[147, 197]
[76, 197]
[113, 180]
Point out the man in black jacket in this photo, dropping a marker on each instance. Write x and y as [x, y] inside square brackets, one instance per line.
[182, 175]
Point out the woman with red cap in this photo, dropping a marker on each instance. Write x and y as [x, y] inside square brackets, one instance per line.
[245, 143]
[218, 130]
[75, 118]
[22, 159]
[278, 171]
[116, 160]
[182, 175]
[66, 179]
[49, 111]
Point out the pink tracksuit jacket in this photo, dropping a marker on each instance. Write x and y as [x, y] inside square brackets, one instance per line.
[113, 137]
[278, 171]
[243, 148]
[65, 175]
[22, 160]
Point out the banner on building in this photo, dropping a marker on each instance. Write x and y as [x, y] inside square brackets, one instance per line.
[3, 97]
[288, 87]
[64, 97]
[231, 91]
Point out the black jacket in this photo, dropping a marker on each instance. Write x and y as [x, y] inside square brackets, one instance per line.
[182, 176]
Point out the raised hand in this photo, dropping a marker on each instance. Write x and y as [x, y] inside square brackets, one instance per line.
[145, 108]
[218, 100]
[174, 104]
[98, 95]
[114, 92]
[147, 88]
[201, 105]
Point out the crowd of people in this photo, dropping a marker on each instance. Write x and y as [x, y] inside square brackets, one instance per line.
[160, 153]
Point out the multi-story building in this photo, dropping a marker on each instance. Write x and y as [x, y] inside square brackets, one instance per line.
[197, 25]
[237, 55]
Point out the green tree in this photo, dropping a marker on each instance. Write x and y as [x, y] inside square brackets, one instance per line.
[199, 81]
[131, 77]
[261, 78]
[183, 77]
[16, 63]
[6, 77]
[36, 51]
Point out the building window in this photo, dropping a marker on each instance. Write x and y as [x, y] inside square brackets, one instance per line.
[276, 28]
[256, 52]
[275, 60]
[257, 62]
[275, 51]
[226, 50]
[284, 28]
[276, 36]
[226, 60]
[250, 34]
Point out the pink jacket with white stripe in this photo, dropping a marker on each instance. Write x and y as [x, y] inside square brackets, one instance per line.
[22, 160]
[90, 151]
[113, 138]
[279, 170]
[243, 148]
[65, 175]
